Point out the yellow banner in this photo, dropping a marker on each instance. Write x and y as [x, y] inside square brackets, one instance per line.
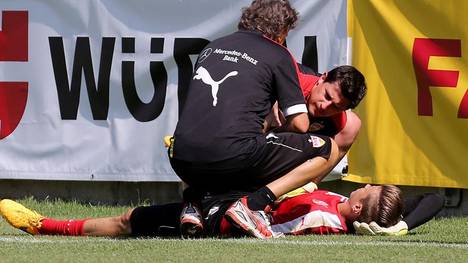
[414, 55]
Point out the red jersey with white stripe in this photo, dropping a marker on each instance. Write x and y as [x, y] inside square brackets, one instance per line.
[312, 213]
[329, 126]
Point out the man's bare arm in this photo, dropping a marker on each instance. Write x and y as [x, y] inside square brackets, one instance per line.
[298, 122]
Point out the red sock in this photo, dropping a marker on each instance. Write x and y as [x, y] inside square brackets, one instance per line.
[65, 228]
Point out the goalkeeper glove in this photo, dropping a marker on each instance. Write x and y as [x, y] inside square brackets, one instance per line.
[363, 229]
[373, 229]
[308, 188]
[400, 229]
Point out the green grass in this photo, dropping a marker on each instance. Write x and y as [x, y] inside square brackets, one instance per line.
[444, 240]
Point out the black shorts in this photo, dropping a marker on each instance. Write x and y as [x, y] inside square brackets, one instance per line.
[279, 154]
[164, 220]
[156, 220]
[214, 209]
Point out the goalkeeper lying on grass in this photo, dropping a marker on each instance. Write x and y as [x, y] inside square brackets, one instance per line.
[318, 212]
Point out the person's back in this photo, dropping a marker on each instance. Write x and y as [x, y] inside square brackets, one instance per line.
[235, 82]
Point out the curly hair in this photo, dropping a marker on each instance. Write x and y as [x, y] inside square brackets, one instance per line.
[271, 17]
[385, 208]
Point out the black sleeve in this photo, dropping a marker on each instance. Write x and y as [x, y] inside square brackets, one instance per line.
[286, 81]
[422, 208]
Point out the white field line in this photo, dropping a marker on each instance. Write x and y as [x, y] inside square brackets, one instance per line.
[247, 241]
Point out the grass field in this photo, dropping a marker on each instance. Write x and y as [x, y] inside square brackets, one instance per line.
[443, 240]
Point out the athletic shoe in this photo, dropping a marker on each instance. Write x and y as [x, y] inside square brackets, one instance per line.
[20, 217]
[191, 221]
[255, 223]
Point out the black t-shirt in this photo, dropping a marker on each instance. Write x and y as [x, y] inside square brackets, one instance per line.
[237, 78]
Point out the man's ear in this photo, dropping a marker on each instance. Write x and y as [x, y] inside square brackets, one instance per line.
[357, 208]
[322, 78]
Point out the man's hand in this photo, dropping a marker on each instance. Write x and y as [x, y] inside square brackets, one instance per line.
[278, 116]
[400, 229]
[273, 120]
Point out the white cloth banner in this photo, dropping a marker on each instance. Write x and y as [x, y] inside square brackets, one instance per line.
[96, 85]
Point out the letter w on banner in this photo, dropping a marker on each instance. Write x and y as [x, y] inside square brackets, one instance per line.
[415, 116]
[89, 88]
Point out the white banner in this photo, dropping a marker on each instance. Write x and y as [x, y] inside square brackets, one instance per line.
[88, 88]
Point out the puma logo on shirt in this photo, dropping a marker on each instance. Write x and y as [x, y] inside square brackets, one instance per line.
[205, 76]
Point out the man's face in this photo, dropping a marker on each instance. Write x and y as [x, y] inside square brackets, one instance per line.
[326, 99]
[362, 193]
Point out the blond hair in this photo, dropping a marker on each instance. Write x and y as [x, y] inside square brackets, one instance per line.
[385, 208]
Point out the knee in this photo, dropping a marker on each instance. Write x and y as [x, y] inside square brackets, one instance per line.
[334, 152]
[124, 223]
[346, 137]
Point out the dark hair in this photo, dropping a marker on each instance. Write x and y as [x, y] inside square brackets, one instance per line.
[271, 17]
[351, 81]
[385, 208]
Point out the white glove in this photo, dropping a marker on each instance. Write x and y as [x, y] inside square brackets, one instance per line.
[373, 229]
[363, 229]
[310, 187]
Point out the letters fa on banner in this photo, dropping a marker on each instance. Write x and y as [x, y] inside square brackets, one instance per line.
[423, 49]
